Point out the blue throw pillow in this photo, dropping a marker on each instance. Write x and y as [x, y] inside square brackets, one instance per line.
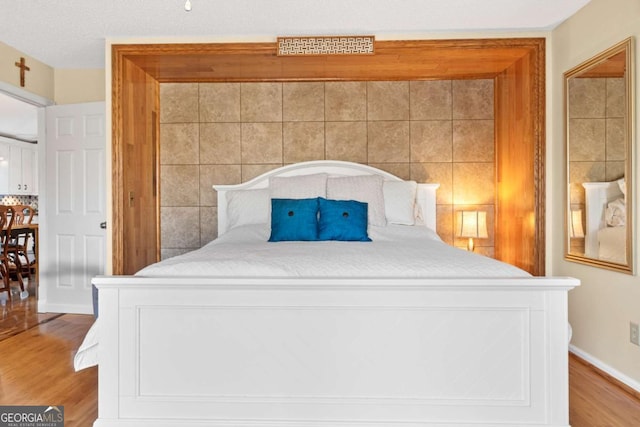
[343, 220]
[294, 219]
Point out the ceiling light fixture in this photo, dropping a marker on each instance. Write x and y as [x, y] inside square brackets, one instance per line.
[187, 6]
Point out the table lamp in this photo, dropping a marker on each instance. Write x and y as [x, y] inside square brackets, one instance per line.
[471, 224]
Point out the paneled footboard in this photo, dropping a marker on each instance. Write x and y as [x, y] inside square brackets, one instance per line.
[333, 352]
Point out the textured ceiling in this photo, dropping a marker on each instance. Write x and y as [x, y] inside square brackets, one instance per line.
[72, 33]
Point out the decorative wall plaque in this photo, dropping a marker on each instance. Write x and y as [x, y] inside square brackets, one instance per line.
[325, 45]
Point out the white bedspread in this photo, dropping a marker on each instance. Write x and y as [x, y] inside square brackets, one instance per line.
[612, 244]
[396, 251]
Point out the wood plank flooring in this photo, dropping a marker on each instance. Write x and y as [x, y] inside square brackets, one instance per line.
[36, 368]
[596, 402]
[19, 315]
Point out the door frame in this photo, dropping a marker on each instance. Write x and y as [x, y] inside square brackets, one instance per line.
[40, 102]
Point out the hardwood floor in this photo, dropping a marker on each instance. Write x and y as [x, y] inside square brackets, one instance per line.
[596, 402]
[36, 365]
[19, 315]
[36, 368]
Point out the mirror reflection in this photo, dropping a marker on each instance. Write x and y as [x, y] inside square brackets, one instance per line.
[598, 131]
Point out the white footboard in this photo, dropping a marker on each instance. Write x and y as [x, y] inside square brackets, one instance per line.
[333, 352]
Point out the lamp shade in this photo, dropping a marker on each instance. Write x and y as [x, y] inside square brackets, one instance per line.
[472, 224]
[575, 224]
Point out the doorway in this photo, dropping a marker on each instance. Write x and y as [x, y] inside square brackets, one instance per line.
[19, 152]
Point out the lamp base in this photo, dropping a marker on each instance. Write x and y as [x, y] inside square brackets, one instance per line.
[470, 245]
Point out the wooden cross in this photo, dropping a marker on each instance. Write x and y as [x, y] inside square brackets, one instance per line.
[23, 67]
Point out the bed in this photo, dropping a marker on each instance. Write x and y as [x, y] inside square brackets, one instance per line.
[393, 328]
[605, 219]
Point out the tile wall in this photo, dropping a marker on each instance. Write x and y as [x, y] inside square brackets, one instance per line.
[19, 200]
[227, 133]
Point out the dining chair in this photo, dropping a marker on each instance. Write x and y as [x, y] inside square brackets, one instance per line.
[24, 214]
[7, 265]
[21, 238]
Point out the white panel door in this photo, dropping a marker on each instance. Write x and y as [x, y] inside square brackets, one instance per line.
[73, 244]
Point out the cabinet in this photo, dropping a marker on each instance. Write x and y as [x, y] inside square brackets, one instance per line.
[18, 168]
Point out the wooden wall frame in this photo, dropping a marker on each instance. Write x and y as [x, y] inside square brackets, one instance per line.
[516, 64]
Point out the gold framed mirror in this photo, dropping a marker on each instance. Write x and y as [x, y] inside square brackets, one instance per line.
[598, 97]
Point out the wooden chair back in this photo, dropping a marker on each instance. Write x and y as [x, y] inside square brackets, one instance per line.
[23, 214]
[7, 217]
[6, 222]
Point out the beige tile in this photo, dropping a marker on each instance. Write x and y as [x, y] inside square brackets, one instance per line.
[180, 227]
[587, 98]
[616, 96]
[261, 102]
[431, 100]
[388, 100]
[401, 170]
[473, 141]
[388, 142]
[220, 143]
[473, 184]
[251, 171]
[444, 223]
[179, 143]
[616, 140]
[345, 101]
[262, 142]
[303, 141]
[208, 224]
[179, 184]
[436, 173]
[587, 140]
[580, 172]
[216, 174]
[219, 102]
[614, 170]
[170, 253]
[303, 102]
[431, 141]
[179, 103]
[346, 141]
[473, 99]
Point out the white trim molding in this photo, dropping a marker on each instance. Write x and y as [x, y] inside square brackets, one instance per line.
[626, 380]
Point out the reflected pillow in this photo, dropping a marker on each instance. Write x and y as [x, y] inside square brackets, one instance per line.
[616, 213]
[623, 186]
[344, 220]
[294, 219]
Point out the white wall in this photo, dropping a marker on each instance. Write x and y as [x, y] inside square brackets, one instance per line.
[602, 307]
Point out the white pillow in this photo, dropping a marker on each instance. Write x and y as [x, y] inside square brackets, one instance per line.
[400, 201]
[298, 187]
[616, 213]
[247, 207]
[363, 188]
[623, 186]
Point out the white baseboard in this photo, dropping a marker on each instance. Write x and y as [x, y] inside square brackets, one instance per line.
[605, 368]
[43, 307]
